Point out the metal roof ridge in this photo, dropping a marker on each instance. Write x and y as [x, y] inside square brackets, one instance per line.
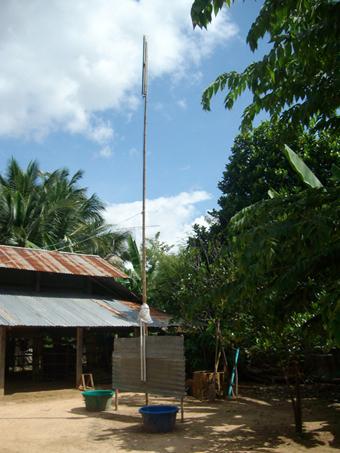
[42, 260]
[49, 251]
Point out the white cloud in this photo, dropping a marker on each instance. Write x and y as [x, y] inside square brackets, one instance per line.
[106, 152]
[172, 216]
[202, 220]
[133, 152]
[66, 62]
[101, 133]
[182, 103]
[158, 106]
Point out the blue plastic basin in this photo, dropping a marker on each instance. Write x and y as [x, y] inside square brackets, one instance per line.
[159, 418]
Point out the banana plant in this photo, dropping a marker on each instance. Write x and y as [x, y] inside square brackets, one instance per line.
[302, 170]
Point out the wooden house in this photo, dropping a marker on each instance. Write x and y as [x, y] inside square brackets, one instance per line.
[59, 313]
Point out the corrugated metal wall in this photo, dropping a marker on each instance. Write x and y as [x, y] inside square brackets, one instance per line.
[165, 365]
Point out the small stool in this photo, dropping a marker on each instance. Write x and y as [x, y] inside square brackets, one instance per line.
[86, 382]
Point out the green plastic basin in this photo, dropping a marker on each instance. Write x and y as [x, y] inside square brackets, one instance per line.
[98, 400]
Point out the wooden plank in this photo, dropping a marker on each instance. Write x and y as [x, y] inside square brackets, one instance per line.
[2, 359]
[79, 357]
[116, 399]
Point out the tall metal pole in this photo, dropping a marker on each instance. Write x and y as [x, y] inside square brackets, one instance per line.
[145, 96]
[143, 330]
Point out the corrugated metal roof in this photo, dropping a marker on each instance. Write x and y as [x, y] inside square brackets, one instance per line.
[40, 310]
[160, 315]
[56, 262]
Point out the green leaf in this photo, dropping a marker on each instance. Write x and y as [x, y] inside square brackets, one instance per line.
[272, 193]
[301, 169]
[294, 81]
[335, 173]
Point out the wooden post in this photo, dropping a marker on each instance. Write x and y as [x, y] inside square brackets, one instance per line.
[146, 399]
[236, 383]
[37, 346]
[116, 399]
[79, 358]
[2, 359]
[182, 409]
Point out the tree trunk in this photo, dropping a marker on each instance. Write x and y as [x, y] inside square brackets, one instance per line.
[297, 406]
[213, 390]
[295, 396]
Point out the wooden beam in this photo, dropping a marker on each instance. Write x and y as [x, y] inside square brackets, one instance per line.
[79, 358]
[116, 399]
[2, 359]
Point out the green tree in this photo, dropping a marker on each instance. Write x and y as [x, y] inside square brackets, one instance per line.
[287, 252]
[155, 249]
[188, 286]
[286, 255]
[50, 210]
[299, 77]
[257, 164]
[167, 282]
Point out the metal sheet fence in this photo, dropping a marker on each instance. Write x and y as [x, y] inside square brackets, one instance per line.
[165, 365]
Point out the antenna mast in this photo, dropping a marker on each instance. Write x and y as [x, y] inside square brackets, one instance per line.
[144, 314]
[145, 96]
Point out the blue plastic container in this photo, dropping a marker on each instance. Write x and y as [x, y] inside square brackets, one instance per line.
[98, 400]
[159, 418]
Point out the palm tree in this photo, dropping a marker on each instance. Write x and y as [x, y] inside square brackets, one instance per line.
[51, 211]
[133, 266]
[133, 263]
[19, 204]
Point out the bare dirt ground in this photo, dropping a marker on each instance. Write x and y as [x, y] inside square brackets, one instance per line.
[57, 422]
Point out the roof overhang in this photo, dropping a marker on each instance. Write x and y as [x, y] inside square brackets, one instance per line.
[46, 310]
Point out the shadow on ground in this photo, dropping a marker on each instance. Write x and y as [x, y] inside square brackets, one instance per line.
[248, 424]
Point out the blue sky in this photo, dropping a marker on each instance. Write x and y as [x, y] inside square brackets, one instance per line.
[70, 96]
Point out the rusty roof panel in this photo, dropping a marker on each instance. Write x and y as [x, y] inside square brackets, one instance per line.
[56, 262]
[46, 310]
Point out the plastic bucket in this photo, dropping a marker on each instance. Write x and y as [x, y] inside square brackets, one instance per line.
[98, 400]
[158, 419]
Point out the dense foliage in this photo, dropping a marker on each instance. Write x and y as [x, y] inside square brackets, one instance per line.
[287, 251]
[188, 286]
[257, 164]
[267, 279]
[298, 79]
